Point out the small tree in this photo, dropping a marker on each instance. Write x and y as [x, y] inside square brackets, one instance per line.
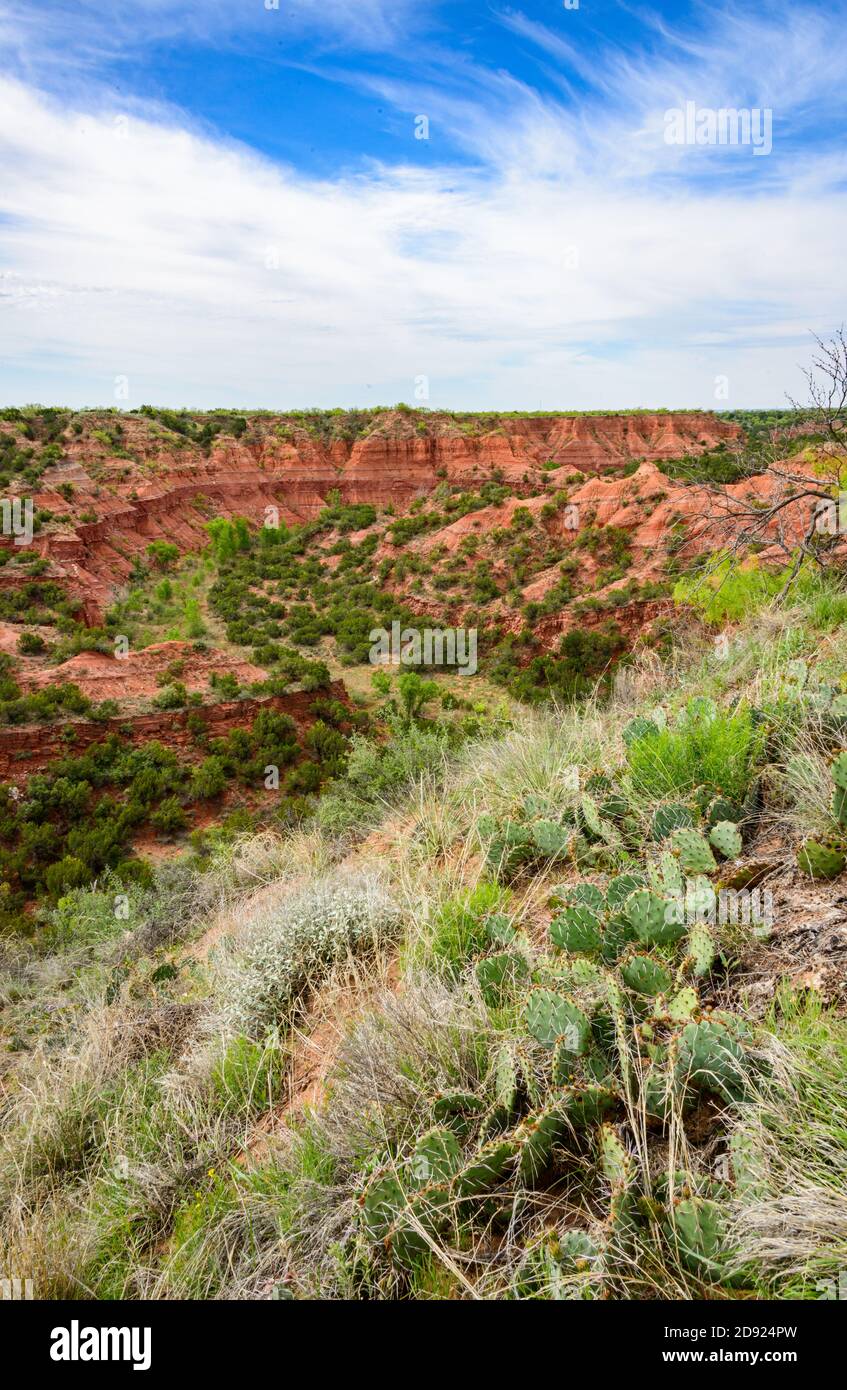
[797, 507]
[414, 693]
[163, 554]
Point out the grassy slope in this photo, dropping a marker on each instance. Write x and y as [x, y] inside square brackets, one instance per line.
[154, 1143]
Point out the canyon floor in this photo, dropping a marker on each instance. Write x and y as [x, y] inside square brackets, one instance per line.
[322, 978]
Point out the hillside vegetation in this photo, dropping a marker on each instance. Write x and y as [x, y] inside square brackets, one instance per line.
[502, 1018]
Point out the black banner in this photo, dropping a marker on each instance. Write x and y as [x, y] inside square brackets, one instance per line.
[58, 1340]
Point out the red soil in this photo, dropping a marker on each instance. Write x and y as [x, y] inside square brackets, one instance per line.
[168, 493]
[135, 676]
[24, 751]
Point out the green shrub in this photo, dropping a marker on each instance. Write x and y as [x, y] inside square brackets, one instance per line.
[708, 746]
[458, 931]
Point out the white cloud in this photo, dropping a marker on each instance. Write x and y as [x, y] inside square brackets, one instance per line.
[210, 276]
[82, 34]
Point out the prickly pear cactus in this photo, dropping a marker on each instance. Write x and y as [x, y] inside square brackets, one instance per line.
[719, 808]
[535, 1138]
[577, 929]
[637, 729]
[550, 838]
[505, 1076]
[645, 975]
[668, 875]
[701, 949]
[700, 900]
[839, 796]
[668, 818]
[418, 1225]
[436, 1157]
[839, 771]
[499, 929]
[822, 858]
[659, 1088]
[591, 817]
[562, 1268]
[620, 888]
[616, 1164]
[726, 839]
[698, 1228]
[498, 975]
[550, 1018]
[381, 1202]
[711, 1058]
[653, 918]
[618, 1168]
[564, 1064]
[458, 1109]
[578, 895]
[684, 1005]
[584, 1105]
[496, 1120]
[487, 1168]
[695, 856]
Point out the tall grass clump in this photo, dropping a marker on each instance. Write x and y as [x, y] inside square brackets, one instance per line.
[706, 746]
[379, 777]
[791, 1151]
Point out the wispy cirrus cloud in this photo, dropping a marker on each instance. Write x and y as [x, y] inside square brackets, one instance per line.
[566, 257]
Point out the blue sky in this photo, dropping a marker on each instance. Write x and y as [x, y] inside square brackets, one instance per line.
[225, 203]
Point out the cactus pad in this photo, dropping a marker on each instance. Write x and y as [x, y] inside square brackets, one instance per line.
[499, 929]
[701, 948]
[839, 771]
[711, 1057]
[550, 838]
[620, 888]
[585, 1105]
[576, 929]
[720, 809]
[425, 1217]
[549, 1017]
[698, 1227]
[822, 858]
[615, 1162]
[684, 1005]
[436, 1157]
[654, 919]
[498, 975]
[536, 1138]
[726, 839]
[381, 1202]
[578, 895]
[645, 975]
[668, 818]
[564, 1064]
[487, 1168]
[638, 729]
[695, 856]
[458, 1109]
